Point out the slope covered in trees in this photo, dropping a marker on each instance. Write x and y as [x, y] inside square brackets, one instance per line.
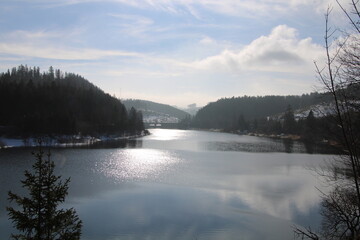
[53, 102]
[228, 113]
[310, 116]
[153, 109]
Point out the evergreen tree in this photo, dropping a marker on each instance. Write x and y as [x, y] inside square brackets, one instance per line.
[136, 124]
[139, 124]
[51, 73]
[132, 120]
[310, 130]
[220, 114]
[38, 217]
[289, 121]
[242, 124]
[57, 103]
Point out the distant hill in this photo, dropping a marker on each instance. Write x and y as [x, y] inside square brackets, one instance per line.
[53, 102]
[224, 113]
[156, 112]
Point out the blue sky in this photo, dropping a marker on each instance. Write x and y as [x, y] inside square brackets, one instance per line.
[176, 52]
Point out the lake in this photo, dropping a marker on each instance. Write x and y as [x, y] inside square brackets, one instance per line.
[183, 184]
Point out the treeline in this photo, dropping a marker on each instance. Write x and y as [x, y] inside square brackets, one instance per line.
[149, 107]
[53, 102]
[227, 112]
[309, 127]
[271, 115]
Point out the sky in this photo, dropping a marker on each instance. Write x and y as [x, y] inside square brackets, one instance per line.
[176, 52]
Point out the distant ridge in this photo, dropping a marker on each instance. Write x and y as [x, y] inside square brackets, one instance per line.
[224, 112]
[156, 112]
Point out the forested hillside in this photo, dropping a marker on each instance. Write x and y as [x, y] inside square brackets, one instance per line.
[227, 112]
[297, 116]
[53, 102]
[153, 110]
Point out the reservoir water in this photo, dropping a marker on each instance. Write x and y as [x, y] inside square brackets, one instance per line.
[176, 184]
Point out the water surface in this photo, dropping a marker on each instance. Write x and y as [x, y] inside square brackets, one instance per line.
[177, 184]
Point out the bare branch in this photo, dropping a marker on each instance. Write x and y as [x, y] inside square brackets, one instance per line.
[348, 16]
[305, 234]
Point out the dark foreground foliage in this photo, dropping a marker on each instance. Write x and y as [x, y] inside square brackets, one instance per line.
[37, 216]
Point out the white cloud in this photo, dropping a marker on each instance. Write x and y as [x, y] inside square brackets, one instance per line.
[43, 36]
[134, 25]
[32, 35]
[134, 19]
[40, 44]
[207, 41]
[131, 73]
[247, 8]
[280, 51]
[52, 52]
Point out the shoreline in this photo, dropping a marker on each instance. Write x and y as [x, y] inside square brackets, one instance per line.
[292, 137]
[64, 141]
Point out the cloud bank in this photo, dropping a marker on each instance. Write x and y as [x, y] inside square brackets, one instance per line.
[280, 51]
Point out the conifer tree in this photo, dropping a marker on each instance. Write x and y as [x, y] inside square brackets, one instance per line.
[38, 216]
[289, 121]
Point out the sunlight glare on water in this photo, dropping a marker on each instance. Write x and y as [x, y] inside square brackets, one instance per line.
[166, 134]
[131, 164]
[176, 184]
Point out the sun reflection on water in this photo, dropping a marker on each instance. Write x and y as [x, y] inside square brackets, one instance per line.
[167, 134]
[135, 164]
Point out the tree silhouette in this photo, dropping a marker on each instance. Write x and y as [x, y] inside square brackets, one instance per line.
[340, 77]
[38, 216]
[289, 121]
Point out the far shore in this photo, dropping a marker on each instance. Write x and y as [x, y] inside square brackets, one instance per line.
[64, 140]
[293, 137]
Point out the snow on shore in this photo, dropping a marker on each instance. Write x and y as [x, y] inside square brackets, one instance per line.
[62, 141]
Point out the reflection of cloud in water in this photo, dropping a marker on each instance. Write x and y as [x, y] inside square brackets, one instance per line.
[153, 211]
[203, 195]
[279, 185]
[277, 196]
